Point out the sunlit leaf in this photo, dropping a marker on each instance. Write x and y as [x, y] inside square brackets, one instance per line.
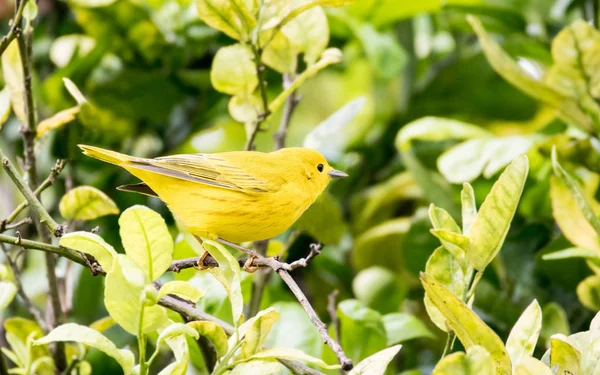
[469, 207]
[492, 222]
[182, 289]
[64, 48]
[92, 244]
[90, 337]
[233, 70]
[377, 363]
[213, 332]
[146, 240]
[234, 17]
[74, 91]
[245, 108]
[123, 293]
[257, 333]
[588, 292]
[92, 3]
[504, 65]
[57, 121]
[229, 275]
[554, 320]
[280, 54]
[572, 252]
[103, 324]
[291, 354]
[469, 328]
[86, 203]
[476, 361]
[13, 75]
[8, 290]
[532, 366]
[524, 334]
[563, 356]
[19, 333]
[308, 33]
[257, 367]
[4, 105]
[176, 329]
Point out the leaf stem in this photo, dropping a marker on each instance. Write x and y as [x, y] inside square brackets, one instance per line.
[142, 343]
[262, 88]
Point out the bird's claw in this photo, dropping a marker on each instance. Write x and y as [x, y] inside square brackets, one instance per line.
[200, 266]
[248, 267]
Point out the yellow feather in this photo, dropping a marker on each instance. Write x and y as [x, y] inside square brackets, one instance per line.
[237, 196]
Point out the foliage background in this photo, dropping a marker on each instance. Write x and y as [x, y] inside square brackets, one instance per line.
[146, 65]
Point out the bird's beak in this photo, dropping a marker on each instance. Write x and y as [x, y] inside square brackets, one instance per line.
[335, 174]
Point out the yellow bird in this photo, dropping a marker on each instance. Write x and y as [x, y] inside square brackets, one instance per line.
[236, 196]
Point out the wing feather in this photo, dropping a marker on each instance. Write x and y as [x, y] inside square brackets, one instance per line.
[206, 169]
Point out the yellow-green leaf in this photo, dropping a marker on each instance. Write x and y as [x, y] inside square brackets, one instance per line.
[90, 337]
[214, 333]
[8, 290]
[377, 363]
[233, 70]
[182, 289]
[469, 328]
[563, 356]
[588, 292]
[229, 275]
[292, 354]
[308, 33]
[123, 297]
[448, 271]
[103, 324]
[86, 203]
[57, 121]
[4, 105]
[257, 367]
[532, 366]
[13, 76]
[92, 244]
[492, 222]
[146, 240]
[74, 91]
[469, 207]
[524, 334]
[176, 329]
[280, 54]
[449, 238]
[245, 108]
[477, 361]
[257, 332]
[505, 66]
[233, 17]
[577, 195]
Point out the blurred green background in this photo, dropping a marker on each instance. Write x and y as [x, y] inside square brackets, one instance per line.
[145, 64]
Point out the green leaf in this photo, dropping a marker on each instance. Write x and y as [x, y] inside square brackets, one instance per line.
[484, 156]
[86, 203]
[103, 324]
[505, 66]
[447, 270]
[74, 91]
[232, 17]
[308, 33]
[572, 252]
[377, 363]
[92, 3]
[524, 334]
[4, 105]
[57, 121]
[477, 361]
[20, 334]
[13, 75]
[325, 212]
[491, 224]
[245, 108]
[554, 320]
[455, 240]
[234, 71]
[213, 332]
[229, 275]
[294, 330]
[469, 207]
[8, 290]
[66, 47]
[378, 288]
[92, 244]
[588, 292]
[469, 328]
[563, 356]
[257, 367]
[384, 52]
[402, 327]
[367, 246]
[532, 366]
[258, 331]
[180, 348]
[333, 135]
[181, 289]
[87, 336]
[356, 320]
[146, 240]
[280, 54]
[291, 354]
[576, 192]
[176, 329]
[123, 297]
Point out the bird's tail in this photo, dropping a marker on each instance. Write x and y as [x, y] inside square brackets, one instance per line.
[106, 155]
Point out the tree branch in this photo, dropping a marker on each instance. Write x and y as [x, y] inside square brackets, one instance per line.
[14, 27]
[262, 88]
[335, 322]
[259, 281]
[288, 109]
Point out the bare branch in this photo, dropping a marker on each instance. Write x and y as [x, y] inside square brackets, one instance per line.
[288, 109]
[262, 88]
[335, 322]
[14, 27]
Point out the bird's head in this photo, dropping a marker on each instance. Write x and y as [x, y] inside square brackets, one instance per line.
[314, 167]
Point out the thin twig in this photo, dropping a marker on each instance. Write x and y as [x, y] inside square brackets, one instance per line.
[262, 88]
[36, 245]
[259, 281]
[54, 172]
[21, 292]
[14, 27]
[335, 322]
[27, 220]
[288, 109]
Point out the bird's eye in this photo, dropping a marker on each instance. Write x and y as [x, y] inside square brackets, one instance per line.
[320, 167]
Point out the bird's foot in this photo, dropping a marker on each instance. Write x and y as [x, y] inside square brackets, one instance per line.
[200, 266]
[248, 267]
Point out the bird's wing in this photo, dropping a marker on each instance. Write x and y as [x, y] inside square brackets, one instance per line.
[206, 169]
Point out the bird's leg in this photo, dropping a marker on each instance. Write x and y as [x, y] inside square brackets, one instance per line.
[200, 265]
[248, 267]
